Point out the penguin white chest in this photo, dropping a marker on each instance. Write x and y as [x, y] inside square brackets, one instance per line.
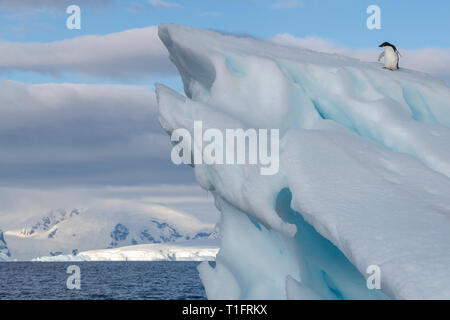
[390, 58]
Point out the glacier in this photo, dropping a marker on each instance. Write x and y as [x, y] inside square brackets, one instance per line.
[364, 175]
[188, 250]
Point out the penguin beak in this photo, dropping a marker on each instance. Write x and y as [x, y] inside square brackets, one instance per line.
[380, 46]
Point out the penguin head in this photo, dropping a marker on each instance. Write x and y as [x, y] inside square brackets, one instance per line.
[387, 44]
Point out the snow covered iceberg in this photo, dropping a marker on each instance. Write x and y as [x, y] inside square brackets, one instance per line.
[364, 175]
[191, 250]
[4, 251]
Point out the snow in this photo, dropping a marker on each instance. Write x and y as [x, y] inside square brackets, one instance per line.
[364, 171]
[123, 217]
[4, 250]
[181, 251]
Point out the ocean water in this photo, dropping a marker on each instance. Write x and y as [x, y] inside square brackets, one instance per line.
[101, 280]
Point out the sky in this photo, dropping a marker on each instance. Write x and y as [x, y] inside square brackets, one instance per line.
[411, 24]
[77, 107]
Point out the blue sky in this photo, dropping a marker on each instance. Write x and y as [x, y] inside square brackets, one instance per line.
[47, 72]
[413, 24]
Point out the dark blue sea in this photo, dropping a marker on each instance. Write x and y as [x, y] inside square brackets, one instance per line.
[101, 280]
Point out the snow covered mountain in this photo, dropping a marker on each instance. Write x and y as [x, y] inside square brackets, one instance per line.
[364, 173]
[64, 232]
[49, 221]
[4, 251]
[190, 250]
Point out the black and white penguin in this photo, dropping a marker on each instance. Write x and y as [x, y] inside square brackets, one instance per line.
[390, 54]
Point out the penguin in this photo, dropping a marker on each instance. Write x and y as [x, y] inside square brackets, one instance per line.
[391, 56]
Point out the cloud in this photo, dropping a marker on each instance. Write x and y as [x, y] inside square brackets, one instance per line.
[435, 61]
[130, 53]
[82, 134]
[185, 203]
[286, 4]
[49, 4]
[164, 4]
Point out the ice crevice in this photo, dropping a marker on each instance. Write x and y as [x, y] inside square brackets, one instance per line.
[324, 268]
[363, 177]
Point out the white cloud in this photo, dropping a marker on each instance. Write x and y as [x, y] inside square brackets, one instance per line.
[286, 4]
[435, 61]
[130, 53]
[163, 4]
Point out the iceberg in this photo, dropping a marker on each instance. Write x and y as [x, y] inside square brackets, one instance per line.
[65, 233]
[364, 176]
[191, 250]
